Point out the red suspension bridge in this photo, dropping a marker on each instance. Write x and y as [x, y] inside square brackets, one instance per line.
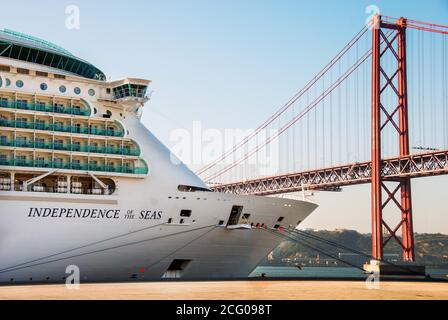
[376, 113]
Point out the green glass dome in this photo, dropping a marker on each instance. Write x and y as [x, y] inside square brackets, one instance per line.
[23, 47]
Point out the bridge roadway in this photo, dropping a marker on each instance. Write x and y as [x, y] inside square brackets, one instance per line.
[333, 178]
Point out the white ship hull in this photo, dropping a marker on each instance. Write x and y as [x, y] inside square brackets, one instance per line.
[39, 249]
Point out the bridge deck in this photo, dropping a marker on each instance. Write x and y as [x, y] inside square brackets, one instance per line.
[414, 166]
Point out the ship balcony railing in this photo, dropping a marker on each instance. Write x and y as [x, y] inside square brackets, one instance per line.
[73, 166]
[69, 147]
[60, 128]
[100, 191]
[45, 108]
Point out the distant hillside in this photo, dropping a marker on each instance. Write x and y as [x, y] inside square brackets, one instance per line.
[431, 249]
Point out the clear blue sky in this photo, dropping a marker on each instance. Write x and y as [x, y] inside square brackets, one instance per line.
[228, 64]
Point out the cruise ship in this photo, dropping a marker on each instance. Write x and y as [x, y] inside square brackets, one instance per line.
[84, 183]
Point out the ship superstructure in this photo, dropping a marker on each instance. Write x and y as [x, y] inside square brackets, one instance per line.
[83, 182]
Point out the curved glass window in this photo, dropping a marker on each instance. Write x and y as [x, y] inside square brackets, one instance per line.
[43, 86]
[91, 92]
[77, 90]
[8, 82]
[62, 89]
[19, 83]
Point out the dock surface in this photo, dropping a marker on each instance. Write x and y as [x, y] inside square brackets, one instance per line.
[221, 290]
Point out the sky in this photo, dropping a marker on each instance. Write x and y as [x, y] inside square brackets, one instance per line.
[229, 64]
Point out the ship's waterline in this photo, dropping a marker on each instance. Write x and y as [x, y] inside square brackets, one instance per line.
[83, 182]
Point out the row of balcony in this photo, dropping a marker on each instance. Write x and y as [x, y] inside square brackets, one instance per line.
[72, 166]
[44, 107]
[125, 151]
[60, 128]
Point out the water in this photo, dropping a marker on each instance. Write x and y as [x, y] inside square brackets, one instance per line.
[327, 272]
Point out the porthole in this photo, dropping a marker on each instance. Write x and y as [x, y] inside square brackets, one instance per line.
[1, 82]
[91, 92]
[19, 83]
[95, 111]
[77, 90]
[43, 86]
[62, 89]
[8, 82]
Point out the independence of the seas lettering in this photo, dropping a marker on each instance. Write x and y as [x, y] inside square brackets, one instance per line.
[93, 213]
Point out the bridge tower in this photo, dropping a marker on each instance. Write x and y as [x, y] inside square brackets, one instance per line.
[393, 43]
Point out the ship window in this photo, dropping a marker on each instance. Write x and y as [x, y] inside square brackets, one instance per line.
[59, 76]
[77, 90]
[91, 92]
[280, 219]
[43, 86]
[185, 213]
[1, 82]
[58, 107]
[21, 103]
[40, 124]
[8, 82]
[21, 121]
[19, 83]
[5, 68]
[40, 105]
[108, 114]
[3, 102]
[76, 146]
[41, 74]
[276, 226]
[185, 188]
[108, 90]
[23, 71]
[62, 89]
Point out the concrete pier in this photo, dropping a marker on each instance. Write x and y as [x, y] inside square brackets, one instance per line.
[251, 290]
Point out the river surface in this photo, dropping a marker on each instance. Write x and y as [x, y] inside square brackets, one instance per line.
[327, 272]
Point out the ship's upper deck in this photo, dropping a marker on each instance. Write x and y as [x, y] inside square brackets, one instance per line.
[19, 46]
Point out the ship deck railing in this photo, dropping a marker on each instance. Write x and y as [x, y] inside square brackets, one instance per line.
[60, 128]
[45, 108]
[39, 188]
[70, 147]
[72, 166]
